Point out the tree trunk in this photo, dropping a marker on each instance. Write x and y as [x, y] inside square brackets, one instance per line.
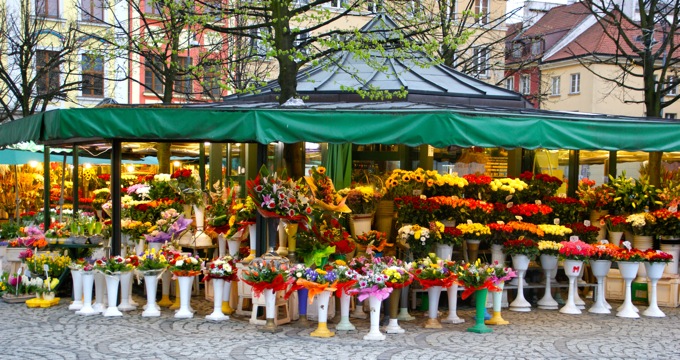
[654, 168]
[163, 156]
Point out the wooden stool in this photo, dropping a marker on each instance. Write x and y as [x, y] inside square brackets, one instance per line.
[280, 302]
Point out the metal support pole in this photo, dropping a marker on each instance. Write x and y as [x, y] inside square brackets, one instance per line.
[46, 187]
[115, 197]
[573, 172]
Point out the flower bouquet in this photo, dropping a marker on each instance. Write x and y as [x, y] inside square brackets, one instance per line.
[222, 268]
[501, 274]
[346, 276]
[244, 216]
[555, 232]
[450, 236]
[567, 209]
[576, 250]
[585, 233]
[266, 274]
[223, 206]
[643, 223]
[528, 230]
[397, 273]
[373, 241]
[500, 232]
[361, 199]
[112, 265]
[402, 183]
[430, 271]
[316, 280]
[415, 209]
[371, 282]
[540, 185]
[525, 247]
[187, 185]
[657, 256]
[533, 213]
[477, 187]
[668, 222]
[506, 189]
[475, 277]
[56, 263]
[614, 223]
[605, 251]
[275, 197]
[418, 238]
[169, 226]
[185, 265]
[325, 196]
[629, 253]
[472, 230]
[444, 185]
[595, 197]
[548, 247]
[152, 260]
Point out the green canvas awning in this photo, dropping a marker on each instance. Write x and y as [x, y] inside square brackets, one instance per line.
[384, 123]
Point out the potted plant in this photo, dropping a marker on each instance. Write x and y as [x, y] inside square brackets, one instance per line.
[398, 277]
[522, 252]
[477, 279]
[267, 277]
[655, 262]
[222, 271]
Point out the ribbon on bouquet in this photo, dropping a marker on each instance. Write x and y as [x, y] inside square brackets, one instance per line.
[445, 282]
[470, 290]
[364, 293]
[315, 288]
[277, 284]
[344, 287]
[396, 285]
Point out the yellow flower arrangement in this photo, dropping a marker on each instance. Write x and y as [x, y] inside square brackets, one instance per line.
[555, 232]
[549, 247]
[477, 230]
[444, 185]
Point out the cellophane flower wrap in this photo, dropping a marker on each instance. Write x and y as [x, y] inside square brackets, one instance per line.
[549, 247]
[170, 225]
[185, 265]
[276, 197]
[315, 280]
[576, 250]
[501, 274]
[655, 256]
[371, 281]
[397, 272]
[325, 196]
[222, 268]
[373, 241]
[431, 271]
[266, 274]
[112, 265]
[243, 215]
[475, 277]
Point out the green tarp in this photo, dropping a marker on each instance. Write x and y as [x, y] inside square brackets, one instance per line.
[437, 127]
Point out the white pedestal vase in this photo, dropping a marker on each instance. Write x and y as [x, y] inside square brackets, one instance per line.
[433, 293]
[520, 263]
[100, 292]
[218, 291]
[443, 251]
[322, 314]
[77, 276]
[112, 282]
[473, 249]
[358, 312]
[452, 318]
[577, 299]
[572, 268]
[166, 278]
[548, 263]
[654, 273]
[125, 286]
[233, 247]
[600, 270]
[344, 324]
[87, 282]
[374, 332]
[139, 247]
[151, 309]
[628, 271]
[497, 254]
[672, 247]
[270, 308]
[185, 283]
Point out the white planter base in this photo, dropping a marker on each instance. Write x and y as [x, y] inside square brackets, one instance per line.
[394, 328]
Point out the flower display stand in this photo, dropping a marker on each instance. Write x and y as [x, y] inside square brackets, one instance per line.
[77, 276]
[433, 293]
[270, 312]
[548, 263]
[654, 273]
[226, 295]
[403, 309]
[480, 308]
[452, 294]
[112, 282]
[628, 270]
[185, 311]
[165, 301]
[99, 290]
[600, 270]
[572, 269]
[322, 311]
[521, 264]
[44, 302]
[151, 284]
[393, 326]
[497, 319]
[374, 333]
[218, 292]
[125, 285]
[443, 251]
[344, 324]
[87, 282]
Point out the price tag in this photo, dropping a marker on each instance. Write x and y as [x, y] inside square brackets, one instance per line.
[508, 198]
[604, 241]
[673, 209]
[519, 218]
[500, 222]
[469, 222]
[587, 222]
[627, 245]
[538, 202]
[573, 238]
[556, 221]
[509, 205]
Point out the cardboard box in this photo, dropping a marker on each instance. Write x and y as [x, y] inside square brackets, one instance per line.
[666, 289]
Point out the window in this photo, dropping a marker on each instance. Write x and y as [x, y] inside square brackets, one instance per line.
[47, 8]
[372, 6]
[536, 47]
[335, 3]
[517, 50]
[672, 82]
[93, 10]
[258, 44]
[93, 76]
[482, 11]
[183, 80]
[480, 62]
[300, 39]
[152, 80]
[575, 87]
[525, 84]
[47, 77]
[555, 90]
[152, 7]
[671, 116]
[510, 83]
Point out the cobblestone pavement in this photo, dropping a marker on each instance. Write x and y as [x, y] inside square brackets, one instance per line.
[57, 333]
